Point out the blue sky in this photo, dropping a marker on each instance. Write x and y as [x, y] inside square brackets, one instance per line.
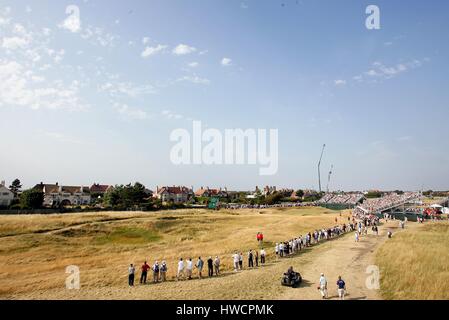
[96, 102]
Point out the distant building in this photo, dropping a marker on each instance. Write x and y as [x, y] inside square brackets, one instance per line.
[56, 195]
[207, 192]
[174, 194]
[6, 195]
[99, 189]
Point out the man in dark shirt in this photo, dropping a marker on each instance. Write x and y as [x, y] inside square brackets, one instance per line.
[210, 266]
[341, 287]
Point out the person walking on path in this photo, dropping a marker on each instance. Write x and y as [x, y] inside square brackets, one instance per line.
[262, 256]
[341, 288]
[217, 266]
[143, 275]
[180, 269]
[323, 286]
[260, 239]
[236, 259]
[156, 272]
[241, 261]
[189, 268]
[163, 271]
[256, 257]
[199, 266]
[210, 267]
[250, 259]
[131, 272]
[356, 236]
[276, 250]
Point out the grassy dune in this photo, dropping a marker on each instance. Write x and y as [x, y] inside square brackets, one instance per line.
[35, 250]
[415, 264]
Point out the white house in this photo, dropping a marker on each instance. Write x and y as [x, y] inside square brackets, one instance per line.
[56, 195]
[176, 194]
[6, 195]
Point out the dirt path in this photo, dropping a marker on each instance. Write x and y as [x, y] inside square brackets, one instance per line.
[346, 258]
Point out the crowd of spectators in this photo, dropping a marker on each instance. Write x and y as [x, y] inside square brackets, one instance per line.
[388, 201]
[341, 198]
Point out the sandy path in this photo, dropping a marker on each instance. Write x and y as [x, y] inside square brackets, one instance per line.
[347, 258]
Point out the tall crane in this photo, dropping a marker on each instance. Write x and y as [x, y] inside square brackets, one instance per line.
[319, 165]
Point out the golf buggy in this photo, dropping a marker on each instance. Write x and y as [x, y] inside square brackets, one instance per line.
[291, 279]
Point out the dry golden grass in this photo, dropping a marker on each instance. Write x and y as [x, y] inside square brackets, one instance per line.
[35, 250]
[415, 264]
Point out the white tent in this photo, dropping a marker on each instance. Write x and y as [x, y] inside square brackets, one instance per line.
[437, 206]
[445, 210]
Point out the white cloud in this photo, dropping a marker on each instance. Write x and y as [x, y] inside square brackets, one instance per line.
[145, 40]
[72, 23]
[13, 43]
[193, 64]
[340, 82]
[149, 51]
[195, 79]
[98, 36]
[171, 115]
[131, 113]
[183, 49]
[381, 71]
[117, 89]
[18, 87]
[226, 62]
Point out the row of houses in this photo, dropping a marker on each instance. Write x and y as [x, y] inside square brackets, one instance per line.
[62, 195]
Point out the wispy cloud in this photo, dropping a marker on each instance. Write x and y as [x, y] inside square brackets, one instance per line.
[381, 71]
[194, 79]
[226, 62]
[150, 51]
[193, 64]
[183, 49]
[171, 115]
[130, 113]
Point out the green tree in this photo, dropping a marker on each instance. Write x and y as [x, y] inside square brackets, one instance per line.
[300, 193]
[32, 199]
[125, 196]
[15, 187]
[273, 198]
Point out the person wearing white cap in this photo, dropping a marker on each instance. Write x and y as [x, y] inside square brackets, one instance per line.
[323, 286]
[163, 271]
[156, 272]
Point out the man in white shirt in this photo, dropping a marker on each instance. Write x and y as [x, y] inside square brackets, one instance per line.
[323, 286]
[236, 258]
[217, 265]
[189, 268]
[180, 269]
[262, 256]
[131, 272]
